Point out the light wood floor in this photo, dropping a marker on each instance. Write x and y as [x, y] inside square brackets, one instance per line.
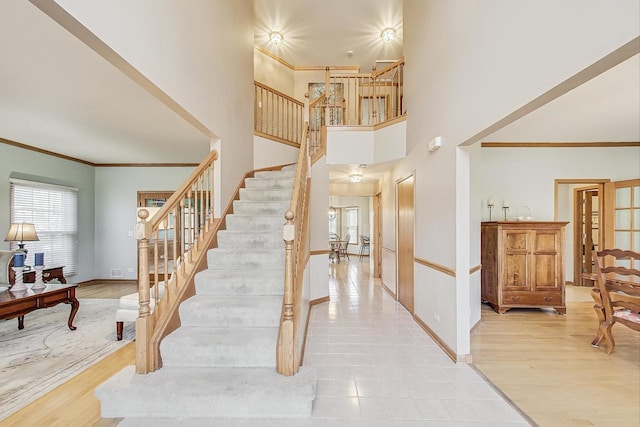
[545, 364]
[542, 361]
[73, 403]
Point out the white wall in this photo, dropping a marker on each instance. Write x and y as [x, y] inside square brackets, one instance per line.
[26, 164]
[270, 72]
[467, 66]
[525, 176]
[319, 230]
[177, 45]
[115, 213]
[268, 153]
[345, 146]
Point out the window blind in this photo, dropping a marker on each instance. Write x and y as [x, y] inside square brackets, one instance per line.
[53, 210]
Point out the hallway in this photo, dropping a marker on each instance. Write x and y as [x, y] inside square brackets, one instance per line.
[377, 367]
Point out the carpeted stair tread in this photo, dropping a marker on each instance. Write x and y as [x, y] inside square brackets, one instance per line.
[215, 311]
[240, 282]
[269, 183]
[220, 347]
[281, 174]
[252, 207]
[266, 194]
[249, 239]
[242, 258]
[179, 392]
[252, 222]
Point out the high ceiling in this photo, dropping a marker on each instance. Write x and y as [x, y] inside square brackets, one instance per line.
[57, 94]
[321, 33]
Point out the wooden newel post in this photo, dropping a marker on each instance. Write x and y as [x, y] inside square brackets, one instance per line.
[144, 323]
[287, 359]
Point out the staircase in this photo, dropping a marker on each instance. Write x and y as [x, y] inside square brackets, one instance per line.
[220, 363]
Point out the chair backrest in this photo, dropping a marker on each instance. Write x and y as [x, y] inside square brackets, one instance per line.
[611, 276]
[364, 240]
[347, 238]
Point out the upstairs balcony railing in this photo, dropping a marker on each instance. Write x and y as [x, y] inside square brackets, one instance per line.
[345, 99]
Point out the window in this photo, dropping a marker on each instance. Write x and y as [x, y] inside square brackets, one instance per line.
[53, 211]
[351, 223]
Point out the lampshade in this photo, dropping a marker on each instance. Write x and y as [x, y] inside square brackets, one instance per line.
[21, 232]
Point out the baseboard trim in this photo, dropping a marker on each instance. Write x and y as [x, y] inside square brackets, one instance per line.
[386, 288]
[304, 339]
[113, 281]
[457, 358]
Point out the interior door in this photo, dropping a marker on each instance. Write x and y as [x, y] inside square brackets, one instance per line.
[376, 241]
[405, 245]
[587, 231]
[623, 213]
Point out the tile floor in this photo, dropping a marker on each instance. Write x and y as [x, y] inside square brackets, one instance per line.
[377, 367]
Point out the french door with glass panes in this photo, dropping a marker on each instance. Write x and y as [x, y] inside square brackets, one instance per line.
[624, 208]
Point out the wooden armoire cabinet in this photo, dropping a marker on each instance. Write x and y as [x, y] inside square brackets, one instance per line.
[523, 264]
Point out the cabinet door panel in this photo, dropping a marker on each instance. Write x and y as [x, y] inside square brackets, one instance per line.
[546, 242]
[545, 271]
[515, 277]
[516, 240]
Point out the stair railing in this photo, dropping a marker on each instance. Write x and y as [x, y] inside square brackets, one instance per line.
[276, 115]
[172, 246]
[365, 99]
[295, 234]
[317, 126]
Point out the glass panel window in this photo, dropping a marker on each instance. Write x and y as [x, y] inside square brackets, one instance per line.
[623, 240]
[351, 223]
[53, 211]
[623, 197]
[623, 219]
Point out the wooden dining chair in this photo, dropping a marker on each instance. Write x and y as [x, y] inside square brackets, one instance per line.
[617, 293]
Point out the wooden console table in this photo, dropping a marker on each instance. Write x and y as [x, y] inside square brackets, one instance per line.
[18, 304]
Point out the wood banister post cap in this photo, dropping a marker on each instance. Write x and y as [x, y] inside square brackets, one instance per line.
[142, 229]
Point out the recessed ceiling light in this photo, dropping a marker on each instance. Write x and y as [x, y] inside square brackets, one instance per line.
[276, 37]
[387, 35]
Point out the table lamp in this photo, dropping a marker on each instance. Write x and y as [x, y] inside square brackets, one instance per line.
[21, 232]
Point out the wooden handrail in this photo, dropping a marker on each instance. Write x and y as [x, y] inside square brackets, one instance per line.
[295, 235]
[277, 115]
[182, 230]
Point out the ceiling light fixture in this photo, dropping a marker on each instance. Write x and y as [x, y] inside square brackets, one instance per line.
[387, 35]
[332, 213]
[276, 37]
[356, 177]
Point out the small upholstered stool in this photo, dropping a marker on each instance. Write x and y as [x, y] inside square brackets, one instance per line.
[129, 308]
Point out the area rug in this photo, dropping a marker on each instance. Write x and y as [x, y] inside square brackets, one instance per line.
[46, 353]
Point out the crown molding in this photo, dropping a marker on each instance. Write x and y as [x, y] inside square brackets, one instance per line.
[306, 68]
[559, 144]
[95, 165]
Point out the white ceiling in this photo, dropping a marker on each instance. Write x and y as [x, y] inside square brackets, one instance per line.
[320, 33]
[58, 95]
